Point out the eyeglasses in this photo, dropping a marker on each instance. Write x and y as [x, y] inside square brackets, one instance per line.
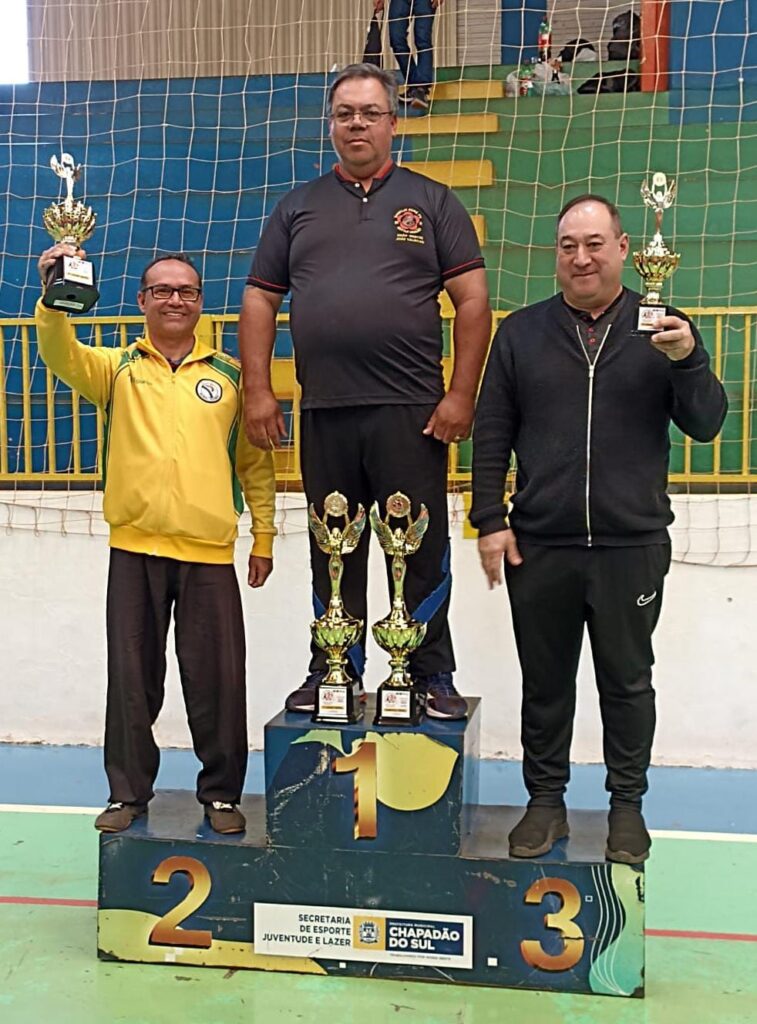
[187, 293]
[369, 116]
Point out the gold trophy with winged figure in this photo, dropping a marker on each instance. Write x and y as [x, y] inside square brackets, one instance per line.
[337, 697]
[398, 702]
[70, 284]
[655, 263]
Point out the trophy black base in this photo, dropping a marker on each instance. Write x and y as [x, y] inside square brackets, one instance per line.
[171, 891]
[398, 706]
[647, 318]
[71, 286]
[338, 705]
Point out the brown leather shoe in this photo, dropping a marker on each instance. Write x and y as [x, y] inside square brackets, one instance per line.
[225, 819]
[117, 816]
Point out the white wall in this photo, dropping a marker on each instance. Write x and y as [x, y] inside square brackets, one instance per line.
[52, 672]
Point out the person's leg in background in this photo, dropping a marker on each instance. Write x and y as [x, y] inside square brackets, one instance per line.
[399, 26]
[423, 35]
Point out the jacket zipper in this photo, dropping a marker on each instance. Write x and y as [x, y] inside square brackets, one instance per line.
[592, 366]
[168, 477]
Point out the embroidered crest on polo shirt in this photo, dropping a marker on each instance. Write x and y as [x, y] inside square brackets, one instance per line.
[409, 224]
[208, 390]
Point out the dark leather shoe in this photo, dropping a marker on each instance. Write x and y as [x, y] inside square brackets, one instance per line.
[226, 819]
[537, 831]
[628, 841]
[117, 816]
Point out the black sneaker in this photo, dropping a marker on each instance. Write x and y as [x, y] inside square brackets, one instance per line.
[118, 816]
[302, 700]
[537, 831]
[419, 98]
[226, 819]
[442, 699]
[628, 841]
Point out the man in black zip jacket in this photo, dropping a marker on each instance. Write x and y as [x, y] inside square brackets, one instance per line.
[585, 402]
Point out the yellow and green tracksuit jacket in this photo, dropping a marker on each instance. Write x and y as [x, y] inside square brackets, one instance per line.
[176, 461]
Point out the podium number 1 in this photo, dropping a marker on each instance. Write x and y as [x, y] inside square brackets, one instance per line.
[363, 764]
[573, 938]
[167, 932]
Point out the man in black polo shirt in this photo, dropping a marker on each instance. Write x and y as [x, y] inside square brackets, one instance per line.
[364, 251]
[585, 403]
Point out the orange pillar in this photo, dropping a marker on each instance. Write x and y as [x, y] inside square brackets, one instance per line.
[655, 43]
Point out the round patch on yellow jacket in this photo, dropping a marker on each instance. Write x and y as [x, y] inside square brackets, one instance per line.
[209, 390]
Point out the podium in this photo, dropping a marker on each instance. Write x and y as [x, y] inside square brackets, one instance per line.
[370, 856]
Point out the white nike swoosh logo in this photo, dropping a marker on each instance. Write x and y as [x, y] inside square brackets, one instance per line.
[641, 600]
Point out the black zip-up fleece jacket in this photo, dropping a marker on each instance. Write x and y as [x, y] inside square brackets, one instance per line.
[592, 454]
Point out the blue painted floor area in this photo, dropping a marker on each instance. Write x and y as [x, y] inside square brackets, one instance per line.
[690, 799]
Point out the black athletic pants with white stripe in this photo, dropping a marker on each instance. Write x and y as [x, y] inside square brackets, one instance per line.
[616, 593]
[367, 453]
[143, 592]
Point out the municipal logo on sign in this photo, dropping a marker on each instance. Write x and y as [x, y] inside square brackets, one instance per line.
[374, 936]
[370, 933]
[208, 390]
[409, 224]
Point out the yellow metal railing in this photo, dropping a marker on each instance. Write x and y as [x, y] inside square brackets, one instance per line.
[19, 463]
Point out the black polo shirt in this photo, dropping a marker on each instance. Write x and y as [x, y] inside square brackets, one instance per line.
[365, 270]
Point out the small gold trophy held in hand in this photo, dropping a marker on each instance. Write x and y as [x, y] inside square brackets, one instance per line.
[655, 263]
[70, 284]
[398, 701]
[337, 696]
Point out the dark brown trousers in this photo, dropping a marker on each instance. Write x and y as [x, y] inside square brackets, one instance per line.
[143, 592]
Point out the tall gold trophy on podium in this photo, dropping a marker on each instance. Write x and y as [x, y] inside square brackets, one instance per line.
[398, 701]
[655, 263]
[337, 696]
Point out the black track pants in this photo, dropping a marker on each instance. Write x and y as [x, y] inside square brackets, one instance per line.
[617, 594]
[210, 646]
[368, 453]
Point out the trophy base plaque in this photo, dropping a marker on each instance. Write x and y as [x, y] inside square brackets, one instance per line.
[647, 318]
[71, 285]
[338, 703]
[397, 705]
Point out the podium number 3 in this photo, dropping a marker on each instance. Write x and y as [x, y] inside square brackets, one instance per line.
[167, 931]
[363, 764]
[573, 939]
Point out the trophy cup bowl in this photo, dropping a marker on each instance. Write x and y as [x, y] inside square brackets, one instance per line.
[70, 283]
[399, 640]
[337, 697]
[655, 268]
[398, 701]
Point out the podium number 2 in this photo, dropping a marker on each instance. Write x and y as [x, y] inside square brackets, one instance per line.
[573, 939]
[167, 932]
[363, 764]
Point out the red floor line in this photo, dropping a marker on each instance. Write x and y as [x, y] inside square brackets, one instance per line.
[654, 933]
[41, 901]
[669, 933]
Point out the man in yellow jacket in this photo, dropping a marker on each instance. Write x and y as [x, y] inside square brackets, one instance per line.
[175, 467]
